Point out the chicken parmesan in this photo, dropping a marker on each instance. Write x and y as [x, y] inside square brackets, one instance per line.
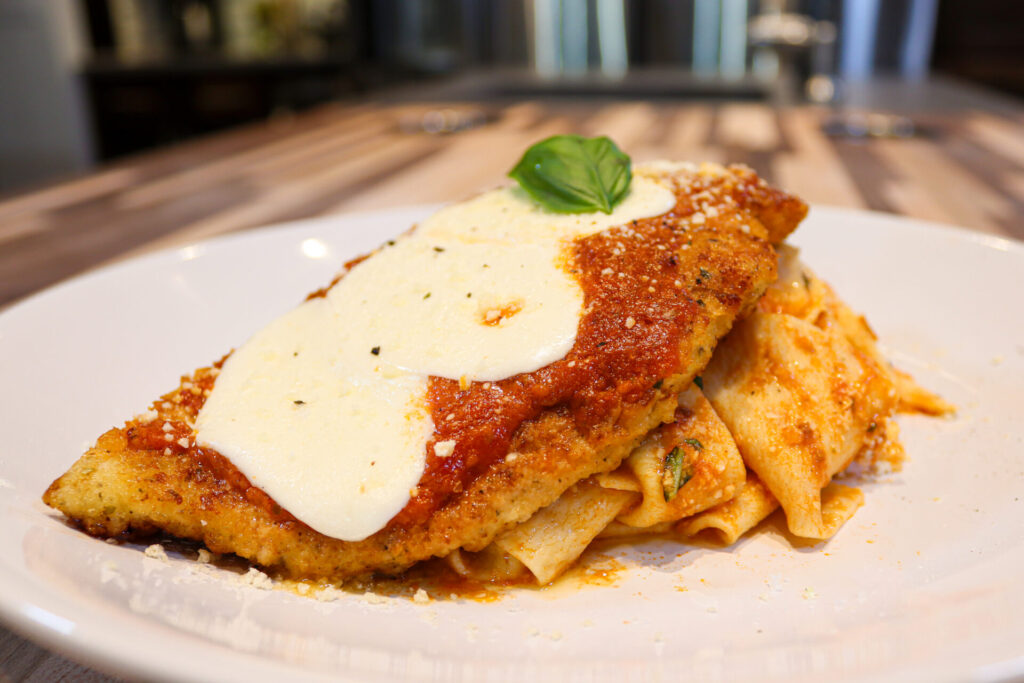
[505, 383]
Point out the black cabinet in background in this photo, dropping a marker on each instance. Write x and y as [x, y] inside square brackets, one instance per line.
[167, 70]
[136, 107]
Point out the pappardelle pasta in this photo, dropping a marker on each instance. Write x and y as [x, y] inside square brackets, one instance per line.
[793, 396]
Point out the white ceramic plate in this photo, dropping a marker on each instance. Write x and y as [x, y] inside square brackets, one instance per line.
[923, 583]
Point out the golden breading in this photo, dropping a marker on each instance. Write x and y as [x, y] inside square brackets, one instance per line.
[132, 483]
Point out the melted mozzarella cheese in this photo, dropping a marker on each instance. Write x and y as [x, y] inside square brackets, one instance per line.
[443, 315]
[306, 412]
[325, 409]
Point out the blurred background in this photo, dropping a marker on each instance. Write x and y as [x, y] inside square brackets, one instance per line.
[87, 81]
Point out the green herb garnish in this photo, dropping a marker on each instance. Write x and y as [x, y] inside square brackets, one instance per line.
[573, 174]
[678, 470]
[697, 445]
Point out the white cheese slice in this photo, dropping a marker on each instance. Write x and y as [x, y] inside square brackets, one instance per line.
[310, 416]
[325, 409]
[435, 307]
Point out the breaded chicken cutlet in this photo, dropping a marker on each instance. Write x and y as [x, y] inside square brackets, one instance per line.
[658, 292]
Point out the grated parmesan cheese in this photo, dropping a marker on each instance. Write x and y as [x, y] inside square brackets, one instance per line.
[443, 449]
[156, 552]
[257, 579]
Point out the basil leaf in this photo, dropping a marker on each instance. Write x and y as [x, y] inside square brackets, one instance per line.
[573, 174]
[678, 470]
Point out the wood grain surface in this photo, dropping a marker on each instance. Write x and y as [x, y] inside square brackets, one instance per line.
[965, 168]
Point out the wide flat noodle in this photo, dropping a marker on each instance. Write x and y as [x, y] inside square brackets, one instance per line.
[916, 399]
[792, 397]
[799, 396]
[619, 530]
[555, 536]
[800, 293]
[490, 564]
[730, 520]
[713, 466]
[838, 503]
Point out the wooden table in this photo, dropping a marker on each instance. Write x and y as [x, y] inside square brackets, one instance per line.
[966, 168]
